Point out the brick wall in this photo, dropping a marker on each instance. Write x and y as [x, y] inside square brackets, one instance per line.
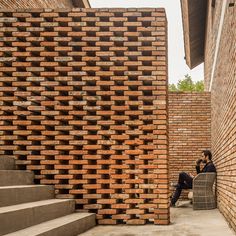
[189, 131]
[223, 115]
[15, 4]
[83, 105]
[213, 21]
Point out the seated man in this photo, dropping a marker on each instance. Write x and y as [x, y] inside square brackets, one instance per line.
[186, 181]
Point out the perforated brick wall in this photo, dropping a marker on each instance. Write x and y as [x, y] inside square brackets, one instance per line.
[189, 131]
[84, 106]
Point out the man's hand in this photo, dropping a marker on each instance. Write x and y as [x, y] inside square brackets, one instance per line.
[198, 162]
[191, 175]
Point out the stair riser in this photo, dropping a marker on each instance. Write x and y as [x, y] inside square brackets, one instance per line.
[73, 228]
[7, 163]
[12, 177]
[15, 196]
[20, 219]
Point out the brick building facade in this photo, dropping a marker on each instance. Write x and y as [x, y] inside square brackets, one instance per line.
[220, 73]
[84, 106]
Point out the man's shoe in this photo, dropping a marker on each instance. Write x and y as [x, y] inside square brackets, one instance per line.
[172, 204]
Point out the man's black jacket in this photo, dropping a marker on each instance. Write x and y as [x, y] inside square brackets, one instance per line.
[209, 167]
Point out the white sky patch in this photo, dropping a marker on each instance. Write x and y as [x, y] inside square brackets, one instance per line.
[177, 64]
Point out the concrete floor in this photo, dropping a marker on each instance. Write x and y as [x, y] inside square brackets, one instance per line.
[184, 222]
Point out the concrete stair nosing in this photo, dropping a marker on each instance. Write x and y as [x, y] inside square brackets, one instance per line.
[70, 225]
[16, 177]
[16, 217]
[7, 163]
[13, 195]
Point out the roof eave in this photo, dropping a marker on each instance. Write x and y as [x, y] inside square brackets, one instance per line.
[194, 22]
[81, 3]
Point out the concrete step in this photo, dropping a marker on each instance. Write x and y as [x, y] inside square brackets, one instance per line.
[12, 195]
[17, 217]
[16, 177]
[7, 163]
[70, 225]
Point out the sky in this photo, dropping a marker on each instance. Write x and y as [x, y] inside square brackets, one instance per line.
[177, 65]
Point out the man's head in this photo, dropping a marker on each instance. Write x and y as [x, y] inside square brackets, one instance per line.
[206, 156]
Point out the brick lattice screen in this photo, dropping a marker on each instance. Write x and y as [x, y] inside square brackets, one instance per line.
[189, 131]
[83, 105]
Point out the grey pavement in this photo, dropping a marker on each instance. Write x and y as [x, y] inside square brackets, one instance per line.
[184, 222]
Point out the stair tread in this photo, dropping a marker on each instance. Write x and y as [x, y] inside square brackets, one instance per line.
[23, 186]
[49, 225]
[31, 205]
[16, 171]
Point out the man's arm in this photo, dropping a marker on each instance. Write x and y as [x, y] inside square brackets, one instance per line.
[198, 169]
[198, 166]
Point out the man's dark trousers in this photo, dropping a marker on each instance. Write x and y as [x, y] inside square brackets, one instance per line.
[185, 182]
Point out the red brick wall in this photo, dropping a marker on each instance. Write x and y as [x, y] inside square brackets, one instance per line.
[16, 4]
[223, 114]
[189, 131]
[84, 106]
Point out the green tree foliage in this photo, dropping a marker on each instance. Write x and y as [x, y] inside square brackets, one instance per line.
[187, 84]
[172, 87]
[199, 86]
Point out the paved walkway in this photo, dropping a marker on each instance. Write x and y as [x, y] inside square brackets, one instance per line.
[185, 222]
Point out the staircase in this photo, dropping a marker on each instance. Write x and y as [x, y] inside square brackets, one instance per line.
[29, 210]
